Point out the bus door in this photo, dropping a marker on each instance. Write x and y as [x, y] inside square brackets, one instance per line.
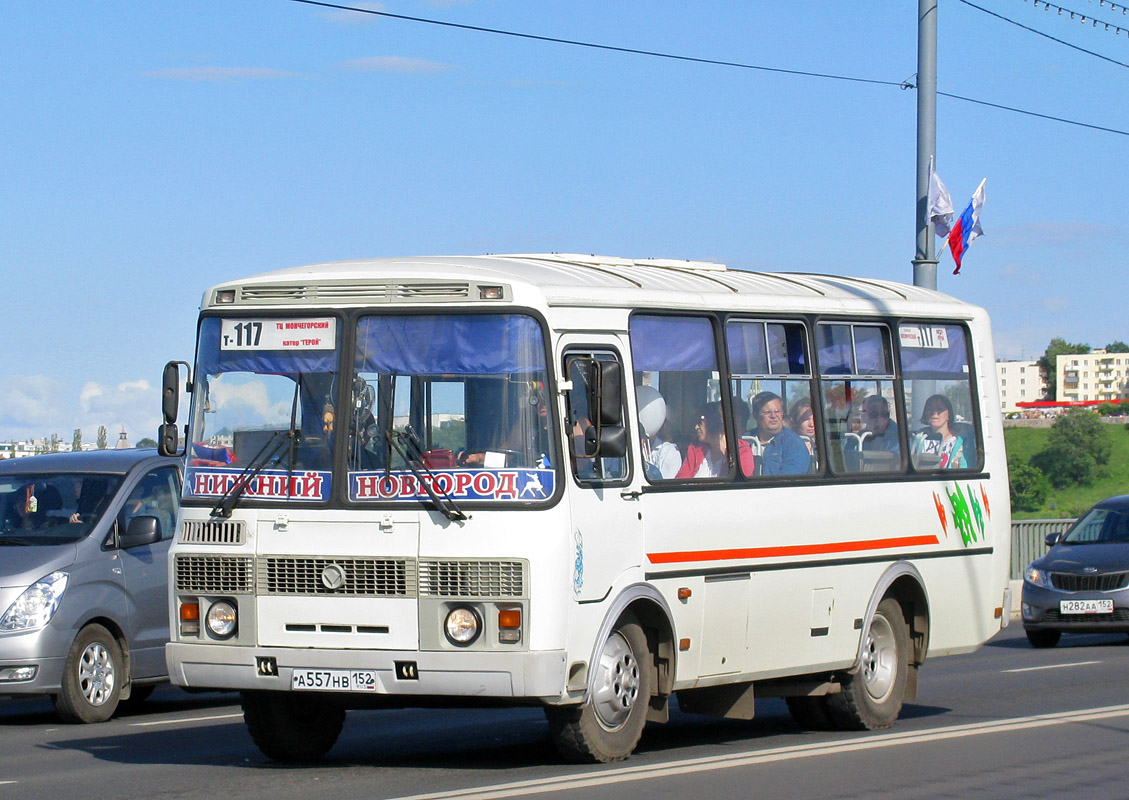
[606, 525]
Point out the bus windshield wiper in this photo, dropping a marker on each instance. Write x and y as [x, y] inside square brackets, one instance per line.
[409, 448]
[268, 451]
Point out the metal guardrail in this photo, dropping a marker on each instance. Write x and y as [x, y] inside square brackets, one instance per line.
[1027, 541]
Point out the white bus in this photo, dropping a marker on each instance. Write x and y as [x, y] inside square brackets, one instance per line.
[583, 483]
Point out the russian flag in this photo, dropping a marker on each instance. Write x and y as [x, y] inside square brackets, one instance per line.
[967, 227]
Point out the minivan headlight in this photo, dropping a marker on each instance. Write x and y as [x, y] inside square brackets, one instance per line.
[38, 603]
[1039, 577]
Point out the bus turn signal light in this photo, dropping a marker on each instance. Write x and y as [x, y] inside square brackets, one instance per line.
[509, 625]
[190, 618]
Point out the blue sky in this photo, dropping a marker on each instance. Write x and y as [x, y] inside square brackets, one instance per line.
[150, 150]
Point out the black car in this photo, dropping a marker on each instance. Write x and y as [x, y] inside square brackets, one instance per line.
[1082, 584]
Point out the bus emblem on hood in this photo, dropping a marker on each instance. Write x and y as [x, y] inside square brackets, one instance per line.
[333, 577]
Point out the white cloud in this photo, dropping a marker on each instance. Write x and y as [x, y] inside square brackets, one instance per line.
[220, 74]
[1053, 234]
[355, 18]
[395, 64]
[35, 406]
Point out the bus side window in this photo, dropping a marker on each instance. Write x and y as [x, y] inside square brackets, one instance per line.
[860, 411]
[939, 404]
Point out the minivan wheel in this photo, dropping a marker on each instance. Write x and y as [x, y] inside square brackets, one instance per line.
[92, 677]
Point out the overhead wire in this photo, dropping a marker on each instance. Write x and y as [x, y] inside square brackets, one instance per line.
[718, 62]
[1045, 35]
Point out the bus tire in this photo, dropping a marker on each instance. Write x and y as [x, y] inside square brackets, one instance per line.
[872, 697]
[1043, 638]
[811, 713]
[608, 727]
[290, 726]
[92, 677]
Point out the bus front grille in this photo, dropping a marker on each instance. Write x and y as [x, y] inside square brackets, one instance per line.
[470, 578]
[366, 577]
[233, 532]
[207, 574]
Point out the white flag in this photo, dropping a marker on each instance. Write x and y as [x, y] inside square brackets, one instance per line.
[940, 211]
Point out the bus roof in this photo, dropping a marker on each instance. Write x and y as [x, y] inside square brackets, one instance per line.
[575, 280]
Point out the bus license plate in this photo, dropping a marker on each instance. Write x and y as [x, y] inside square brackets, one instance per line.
[333, 680]
[1085, 606]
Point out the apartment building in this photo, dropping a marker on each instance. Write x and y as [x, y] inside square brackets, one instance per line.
[1020, 382]
[1097, 375]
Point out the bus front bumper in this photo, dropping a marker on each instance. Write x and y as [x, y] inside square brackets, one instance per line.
[539, 674]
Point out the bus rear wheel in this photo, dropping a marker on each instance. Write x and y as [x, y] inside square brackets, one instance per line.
[608, 727]
[872, 697]
[292, 727]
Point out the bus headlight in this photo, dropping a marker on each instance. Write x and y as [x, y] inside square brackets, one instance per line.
[221, 620]
[462, 626]
[38, 603]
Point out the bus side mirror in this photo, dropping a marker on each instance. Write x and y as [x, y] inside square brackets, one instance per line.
[170, 391]
[605, 392]
[168, 440]
[167, 436]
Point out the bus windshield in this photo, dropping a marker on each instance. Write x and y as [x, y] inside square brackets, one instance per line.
[264, 391]
[466, 393]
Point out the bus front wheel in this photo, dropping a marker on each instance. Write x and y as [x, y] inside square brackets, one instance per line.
[290, 726]
[872, 697]
[608, 727]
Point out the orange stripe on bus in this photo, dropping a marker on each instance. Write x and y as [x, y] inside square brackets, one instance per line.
[791, 550]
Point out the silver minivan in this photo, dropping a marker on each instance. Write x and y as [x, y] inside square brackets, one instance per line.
[84, 540]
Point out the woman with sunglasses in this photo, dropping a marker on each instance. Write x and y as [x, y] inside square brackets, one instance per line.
[938, 438]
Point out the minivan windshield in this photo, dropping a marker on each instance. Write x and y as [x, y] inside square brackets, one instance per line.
[52, 507]
[1100, 526]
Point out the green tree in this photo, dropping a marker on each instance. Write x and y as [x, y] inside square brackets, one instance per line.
[1117, 347]
[1029, 486]
[1084, 429]
[101, 437]
[146, 442]
[76, 442]
[1048, 363]
[1065, 466]
[1077, 446]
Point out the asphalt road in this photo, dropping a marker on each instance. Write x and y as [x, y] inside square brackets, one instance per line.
[1005, 722]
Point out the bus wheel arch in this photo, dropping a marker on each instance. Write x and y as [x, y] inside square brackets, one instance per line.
[629, 682]
[892, 645]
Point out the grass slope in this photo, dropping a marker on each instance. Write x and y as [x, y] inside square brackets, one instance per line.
[1073, 501]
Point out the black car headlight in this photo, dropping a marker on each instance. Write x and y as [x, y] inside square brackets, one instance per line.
[1038, 577]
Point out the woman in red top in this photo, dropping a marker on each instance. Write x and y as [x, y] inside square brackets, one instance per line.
[708, 457]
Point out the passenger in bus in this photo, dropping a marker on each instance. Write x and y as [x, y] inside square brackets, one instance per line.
[661, 457]
[779, 450]
[883, 433]
[708, 457]
[937, 439]
[802, 421]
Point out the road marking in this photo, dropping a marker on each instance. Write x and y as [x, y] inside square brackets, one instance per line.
[1053, 666]
[182, 719]
[7, 783]
[626, 774]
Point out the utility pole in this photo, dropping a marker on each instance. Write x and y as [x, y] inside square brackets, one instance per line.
[925, 262]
